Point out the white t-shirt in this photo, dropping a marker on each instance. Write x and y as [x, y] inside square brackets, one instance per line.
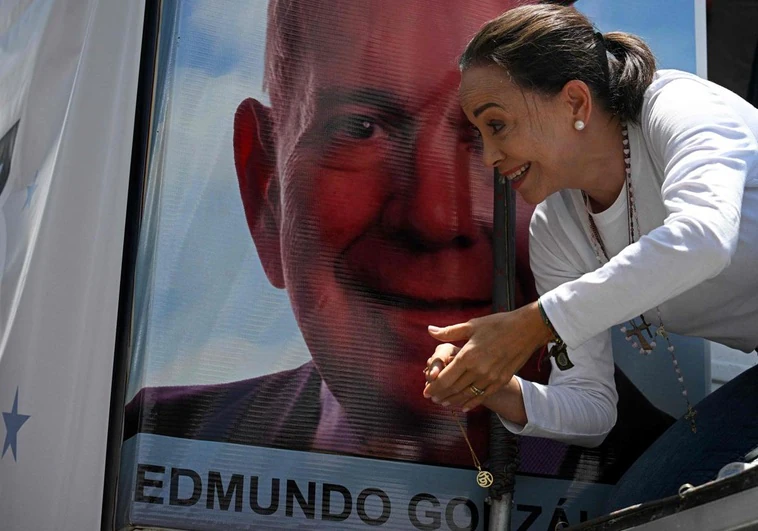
[694, 162]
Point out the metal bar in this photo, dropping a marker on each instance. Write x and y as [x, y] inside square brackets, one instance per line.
[504, 456]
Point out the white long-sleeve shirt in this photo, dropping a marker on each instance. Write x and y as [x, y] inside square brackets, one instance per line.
[695, 178]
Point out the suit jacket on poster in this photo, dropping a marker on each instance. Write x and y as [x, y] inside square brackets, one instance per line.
[279, 410]
[282, 410]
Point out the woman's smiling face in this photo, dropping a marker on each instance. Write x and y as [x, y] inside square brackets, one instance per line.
[527, 136]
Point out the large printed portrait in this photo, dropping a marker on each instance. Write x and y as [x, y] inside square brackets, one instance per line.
[315, 199]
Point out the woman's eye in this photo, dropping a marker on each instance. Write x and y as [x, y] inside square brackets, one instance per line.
[353, 127]
[496, 127]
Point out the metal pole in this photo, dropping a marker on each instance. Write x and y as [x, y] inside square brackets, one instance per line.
[504, 453]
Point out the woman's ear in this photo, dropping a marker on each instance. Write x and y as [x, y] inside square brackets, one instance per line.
[578, 97]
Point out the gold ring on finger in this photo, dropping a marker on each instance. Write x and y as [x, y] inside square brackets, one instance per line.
[476, 390]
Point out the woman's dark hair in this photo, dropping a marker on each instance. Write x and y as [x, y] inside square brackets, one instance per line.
[542, 47]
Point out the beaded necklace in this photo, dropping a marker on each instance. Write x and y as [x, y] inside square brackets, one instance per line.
[637, 329]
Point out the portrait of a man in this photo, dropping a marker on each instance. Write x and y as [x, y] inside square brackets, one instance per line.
[367, 201]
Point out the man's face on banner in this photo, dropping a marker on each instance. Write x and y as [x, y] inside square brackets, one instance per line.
[365, 192]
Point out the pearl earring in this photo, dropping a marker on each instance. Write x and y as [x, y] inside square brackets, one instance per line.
[579, 125]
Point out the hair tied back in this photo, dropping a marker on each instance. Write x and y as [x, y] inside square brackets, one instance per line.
[602, 52]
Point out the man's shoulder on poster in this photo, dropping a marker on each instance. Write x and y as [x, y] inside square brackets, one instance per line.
[280, 410]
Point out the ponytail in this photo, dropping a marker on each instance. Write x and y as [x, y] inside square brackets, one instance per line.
[543, 47]
[632, 67]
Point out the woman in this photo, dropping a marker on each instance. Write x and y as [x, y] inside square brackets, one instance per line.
[647, 185]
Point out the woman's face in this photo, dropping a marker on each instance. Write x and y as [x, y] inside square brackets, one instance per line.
[527, 136]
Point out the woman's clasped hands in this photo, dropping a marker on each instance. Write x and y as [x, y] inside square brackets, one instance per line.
[481, 371]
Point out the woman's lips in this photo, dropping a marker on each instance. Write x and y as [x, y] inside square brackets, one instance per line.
[517, 175]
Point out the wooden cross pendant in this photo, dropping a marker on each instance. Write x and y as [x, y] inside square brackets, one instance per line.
[637, 331]
[691, 413]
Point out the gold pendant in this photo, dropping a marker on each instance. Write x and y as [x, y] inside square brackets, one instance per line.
[484, 479]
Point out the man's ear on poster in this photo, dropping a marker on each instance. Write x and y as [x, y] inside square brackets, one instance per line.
[255, 162]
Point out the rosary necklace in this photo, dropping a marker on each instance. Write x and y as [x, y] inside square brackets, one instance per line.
[636, 334]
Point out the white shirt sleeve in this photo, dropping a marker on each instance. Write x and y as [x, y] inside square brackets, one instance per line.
[578, 406]
[707, 151]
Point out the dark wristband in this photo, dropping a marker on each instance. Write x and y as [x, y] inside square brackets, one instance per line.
[546, 320]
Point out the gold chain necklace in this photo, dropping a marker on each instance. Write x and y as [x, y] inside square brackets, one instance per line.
[484, 478]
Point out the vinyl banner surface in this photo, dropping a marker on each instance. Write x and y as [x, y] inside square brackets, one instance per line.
[68, 81]
[316, 198]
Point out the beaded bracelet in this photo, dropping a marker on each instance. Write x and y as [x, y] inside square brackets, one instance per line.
[546, 320]
[559, 350]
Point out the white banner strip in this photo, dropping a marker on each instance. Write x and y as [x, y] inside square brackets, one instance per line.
[63, 208]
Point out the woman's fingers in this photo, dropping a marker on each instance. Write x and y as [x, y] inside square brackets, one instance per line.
[456, 332]
[470, 389]
[433, 369]
[455, 380]
[469, 378]
[443, 355]
[496, 347]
